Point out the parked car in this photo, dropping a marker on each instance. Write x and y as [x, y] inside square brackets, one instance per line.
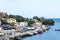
[7, 27]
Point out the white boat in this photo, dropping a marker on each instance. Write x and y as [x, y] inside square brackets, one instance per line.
[30, 33]
[1, 33]
[34, 32]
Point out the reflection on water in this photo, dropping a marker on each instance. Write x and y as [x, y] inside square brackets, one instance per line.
[49, 35]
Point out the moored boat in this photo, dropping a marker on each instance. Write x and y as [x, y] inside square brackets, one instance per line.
[39, 32]
[30, 33]
[57, 29]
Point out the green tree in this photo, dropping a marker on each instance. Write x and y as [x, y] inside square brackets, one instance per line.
[36, 17]
[17, 17]
[12, 24]
[42, 19]
[48, 22]
[4, 22]
[12, 16]
[30, 22]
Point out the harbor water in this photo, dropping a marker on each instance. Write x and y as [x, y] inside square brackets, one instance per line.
[49, 35]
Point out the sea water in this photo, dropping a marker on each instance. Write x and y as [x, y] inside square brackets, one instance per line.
[49, 35]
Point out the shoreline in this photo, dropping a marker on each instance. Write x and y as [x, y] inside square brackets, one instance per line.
[12, 34]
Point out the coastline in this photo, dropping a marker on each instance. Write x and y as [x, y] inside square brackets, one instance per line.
[16, 33]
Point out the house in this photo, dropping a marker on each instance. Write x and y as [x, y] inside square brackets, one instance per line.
[35, 20]
[17, 25]
[20, 25]
[4, 19]
[10, 20]
[44, 27]
[3, 14]
[23, 24]
[37, 24]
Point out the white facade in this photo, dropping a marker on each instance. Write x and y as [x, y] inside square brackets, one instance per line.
[23, 24]
[37, 24]
[35, 20]
[44, 27]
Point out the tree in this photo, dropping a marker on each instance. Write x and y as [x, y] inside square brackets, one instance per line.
[30, 22]
[48, 22]
[35, 17]
[17, 17]
[12, 24]
[4, 22]
[42, 19]
[12, 16]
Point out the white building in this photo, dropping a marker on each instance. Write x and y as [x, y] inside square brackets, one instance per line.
[37, 24]
[10, 20]
[23, 24]
[44, 27]
[35, 20]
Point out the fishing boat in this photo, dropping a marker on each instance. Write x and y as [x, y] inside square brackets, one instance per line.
[57, 29]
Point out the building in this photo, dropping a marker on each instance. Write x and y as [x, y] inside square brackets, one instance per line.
[17, 25]
[3, 14]
[23, 24]
[20, 25]
[11, 20]
[35, 20]
[37, 24]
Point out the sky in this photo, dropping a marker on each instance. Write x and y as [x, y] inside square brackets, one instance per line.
[30, 8]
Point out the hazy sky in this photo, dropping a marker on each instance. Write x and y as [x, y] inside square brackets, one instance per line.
[30, 8]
